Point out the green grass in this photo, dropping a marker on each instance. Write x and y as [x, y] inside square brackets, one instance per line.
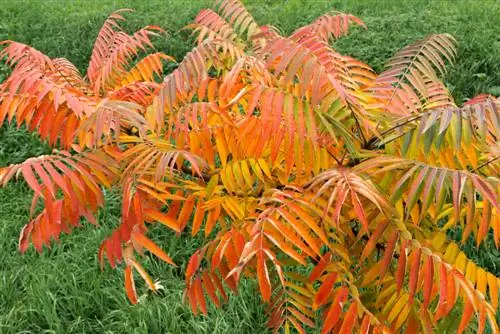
[63, 290]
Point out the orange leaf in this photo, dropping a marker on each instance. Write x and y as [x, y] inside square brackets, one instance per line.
[145, 242]
[143, 274]
[468, 310]
[388, 254]
[493, 287]
[412, 326]
[191, 293]
[31, 179]
[414, 270]
[443, 291]
[374, 238]
[166, 220]
[428, 280]
[365, 325]
[210, 288]
[185, 213]
[218, 284]
[358, 208]
[350, 319]
[400, 273]
[482, 319]
[130, 285]
[193, 265]
[263, 276]
[198, 290]
[198, 218]
[212, 217]
[324, 291]
[320, 267]
[335, 311]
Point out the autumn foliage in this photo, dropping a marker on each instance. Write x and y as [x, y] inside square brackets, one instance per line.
[329, 184]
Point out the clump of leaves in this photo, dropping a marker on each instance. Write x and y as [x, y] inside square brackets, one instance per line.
[331, 185]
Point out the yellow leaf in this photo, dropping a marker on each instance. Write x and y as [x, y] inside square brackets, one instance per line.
[214, 180]
[265, 168]
[246, 174]
[470, 272]
[398, 306]
[166, 220]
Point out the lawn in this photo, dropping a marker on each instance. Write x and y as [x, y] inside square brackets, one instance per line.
[63, 290]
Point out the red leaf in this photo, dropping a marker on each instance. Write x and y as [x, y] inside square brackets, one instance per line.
[374, 238]
[192, 299]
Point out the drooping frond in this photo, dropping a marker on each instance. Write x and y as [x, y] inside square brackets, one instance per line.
[156, 157]
[432, 276]
[183, 82]
[415, 181]
[43, 94]
[323, 75]
[70, 187]
[208, 24]
[475, 122]
[318, 76]
[50, 119]
[301, 168]
[51, 96]
[146, 69]
[24, 56]
[238, 17]
[69, 73]
[105, 124]
[129, 238]
[483, 281]
[413, 70]
[339, 184]
[114, 67]
[328, 27]
[221, 254]
[104, 43]
[142, 93]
